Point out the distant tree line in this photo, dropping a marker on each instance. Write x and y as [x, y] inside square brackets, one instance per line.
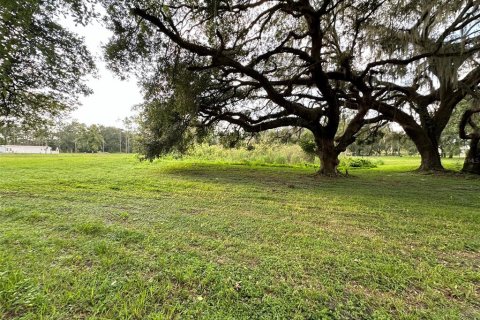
[72, 137]
[76, 137]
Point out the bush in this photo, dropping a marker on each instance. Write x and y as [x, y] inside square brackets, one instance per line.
[260, 154]
[308, 146]
[276, 154]
[356, 163]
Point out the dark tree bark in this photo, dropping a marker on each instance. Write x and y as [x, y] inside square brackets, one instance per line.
[430, 158]
[472, 160]
[328, 156]
[427, 147]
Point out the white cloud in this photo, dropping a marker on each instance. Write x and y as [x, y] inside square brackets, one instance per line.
[113, 98]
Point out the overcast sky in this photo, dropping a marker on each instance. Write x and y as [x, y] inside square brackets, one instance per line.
[112, 99]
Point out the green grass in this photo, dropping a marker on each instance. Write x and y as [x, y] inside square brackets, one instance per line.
[108, 237]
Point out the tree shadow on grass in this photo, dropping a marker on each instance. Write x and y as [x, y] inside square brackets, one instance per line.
[363, 188]
[249, 175]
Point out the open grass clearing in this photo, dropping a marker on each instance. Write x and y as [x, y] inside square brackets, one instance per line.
[108, 237]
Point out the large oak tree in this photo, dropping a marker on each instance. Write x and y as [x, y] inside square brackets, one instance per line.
[266, 64]
[256, 64]
[433, 49]
[42, 64]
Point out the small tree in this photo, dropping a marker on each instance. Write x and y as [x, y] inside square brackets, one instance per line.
[93, 139]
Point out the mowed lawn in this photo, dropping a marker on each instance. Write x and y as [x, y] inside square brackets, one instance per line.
[108, 237]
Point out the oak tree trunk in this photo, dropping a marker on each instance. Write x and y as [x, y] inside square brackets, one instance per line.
[431, 160]
[328, 157]
[472, 160]
[428, 149]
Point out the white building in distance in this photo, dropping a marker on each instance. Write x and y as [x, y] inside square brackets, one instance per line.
[28, 149]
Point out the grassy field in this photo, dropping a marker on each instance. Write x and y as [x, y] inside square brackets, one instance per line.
[108, 237]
